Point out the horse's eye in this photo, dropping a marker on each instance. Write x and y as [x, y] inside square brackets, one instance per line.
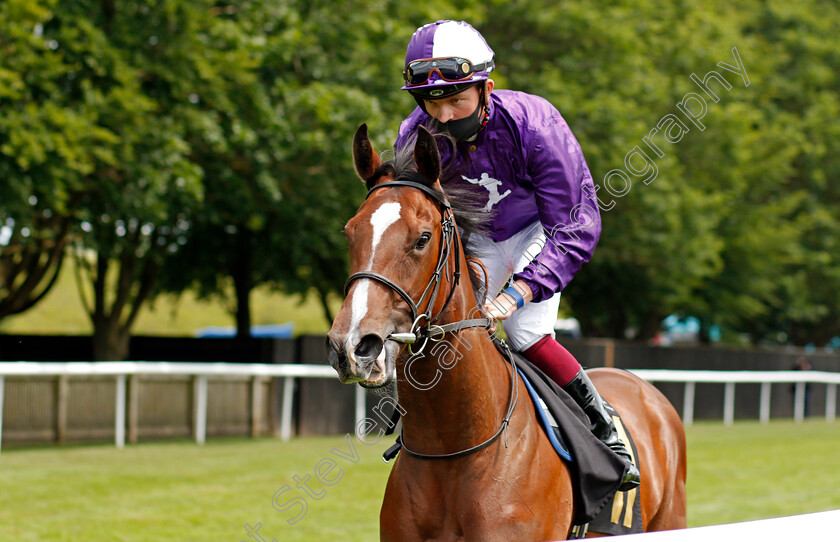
[423, 240]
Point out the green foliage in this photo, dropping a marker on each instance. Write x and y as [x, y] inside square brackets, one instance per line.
[279, 181]
[203, 144]
[50, 143]
[726, 230]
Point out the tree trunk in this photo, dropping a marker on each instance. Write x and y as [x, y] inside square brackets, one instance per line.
[704, 335]
[243, 282]
[323, 297]
[112, 324]
[649, 326]
[617, 323]
[243, 310]
[110, 342]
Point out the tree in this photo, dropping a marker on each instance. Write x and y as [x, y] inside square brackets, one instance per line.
[50, 145]
[139, 204]
[206, 144]
[611, 73]
[801, 99]
[732, 224]
[278, 171]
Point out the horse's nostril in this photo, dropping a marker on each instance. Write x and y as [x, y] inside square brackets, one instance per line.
[369, 347]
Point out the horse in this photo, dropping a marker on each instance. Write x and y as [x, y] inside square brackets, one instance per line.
[409, 319]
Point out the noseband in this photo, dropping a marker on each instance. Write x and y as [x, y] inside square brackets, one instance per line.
[449, 244]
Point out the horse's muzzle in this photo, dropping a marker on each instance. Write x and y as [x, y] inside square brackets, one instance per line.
[355, 364]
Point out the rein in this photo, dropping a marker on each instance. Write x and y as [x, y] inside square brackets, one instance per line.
[449, 245]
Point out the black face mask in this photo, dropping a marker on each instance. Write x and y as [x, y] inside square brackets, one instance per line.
[465, 128]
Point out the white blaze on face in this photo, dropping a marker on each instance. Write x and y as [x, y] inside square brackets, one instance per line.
[381, 220]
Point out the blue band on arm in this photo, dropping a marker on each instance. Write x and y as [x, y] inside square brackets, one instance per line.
[514, 293]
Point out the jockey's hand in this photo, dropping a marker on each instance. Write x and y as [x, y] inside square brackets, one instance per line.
[505, 304]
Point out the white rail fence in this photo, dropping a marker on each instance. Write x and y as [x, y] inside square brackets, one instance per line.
[766, 378]
[289, 372]
[202, 372]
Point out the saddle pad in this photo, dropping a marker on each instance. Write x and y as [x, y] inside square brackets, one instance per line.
[549, 424]
[623, 514]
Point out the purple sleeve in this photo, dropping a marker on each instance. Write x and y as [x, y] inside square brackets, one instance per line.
[570, 218]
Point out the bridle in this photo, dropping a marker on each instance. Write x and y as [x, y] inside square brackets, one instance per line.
[450, 243]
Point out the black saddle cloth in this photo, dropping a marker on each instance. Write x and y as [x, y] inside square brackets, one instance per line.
[596, 471]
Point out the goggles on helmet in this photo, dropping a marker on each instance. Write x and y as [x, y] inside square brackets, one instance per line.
[449, 69]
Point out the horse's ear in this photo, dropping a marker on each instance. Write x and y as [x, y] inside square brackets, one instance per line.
[365, 159]
[426, 154]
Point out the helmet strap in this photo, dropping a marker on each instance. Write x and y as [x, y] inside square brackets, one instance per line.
[483, 102]
[468, 127]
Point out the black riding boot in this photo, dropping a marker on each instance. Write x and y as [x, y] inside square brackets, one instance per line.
[584, 393]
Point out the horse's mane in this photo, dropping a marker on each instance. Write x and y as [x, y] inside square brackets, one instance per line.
[470, 215]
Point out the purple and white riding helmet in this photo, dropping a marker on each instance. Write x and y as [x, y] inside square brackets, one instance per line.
[444, 58]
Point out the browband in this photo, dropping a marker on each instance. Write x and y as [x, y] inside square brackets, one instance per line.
[414, 180]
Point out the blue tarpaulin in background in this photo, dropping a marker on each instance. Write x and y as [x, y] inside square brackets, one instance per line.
[277, 331]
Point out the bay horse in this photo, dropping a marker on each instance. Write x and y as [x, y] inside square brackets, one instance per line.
[456, 478]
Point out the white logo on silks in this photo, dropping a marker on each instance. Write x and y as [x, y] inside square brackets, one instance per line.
[492, 185]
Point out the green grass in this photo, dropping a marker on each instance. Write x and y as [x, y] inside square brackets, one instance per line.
[751, 471]
[183, 492]
[61, 313]
[178, 491]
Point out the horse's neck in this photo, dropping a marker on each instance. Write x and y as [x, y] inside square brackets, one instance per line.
[458, 390]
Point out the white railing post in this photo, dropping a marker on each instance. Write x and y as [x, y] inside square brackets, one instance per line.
[201, 409]
[286, 413]
[764, 414]
[688, 404]
[799, 402]
[729, 403]
[119, 422]
[2, 387]
[830, 402]
[360, 405]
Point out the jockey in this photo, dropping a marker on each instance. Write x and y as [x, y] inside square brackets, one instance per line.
[515, 152]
